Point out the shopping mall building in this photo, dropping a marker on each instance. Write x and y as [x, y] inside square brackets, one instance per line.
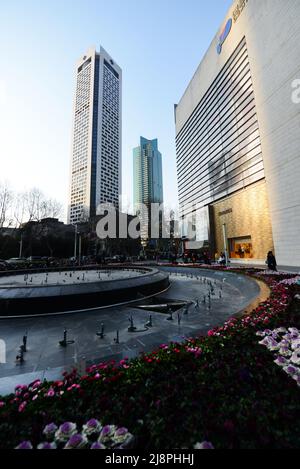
[238, 135]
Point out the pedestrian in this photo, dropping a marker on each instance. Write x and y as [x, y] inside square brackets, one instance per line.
[271, 262]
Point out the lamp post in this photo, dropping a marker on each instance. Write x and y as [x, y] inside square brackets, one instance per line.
[225, 243]
[79, 250]
[75, 243]
[21, 246]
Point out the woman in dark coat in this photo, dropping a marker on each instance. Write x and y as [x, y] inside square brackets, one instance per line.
[271, 261]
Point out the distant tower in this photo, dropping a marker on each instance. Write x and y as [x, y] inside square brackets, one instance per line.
[95, 173]
[147, 178]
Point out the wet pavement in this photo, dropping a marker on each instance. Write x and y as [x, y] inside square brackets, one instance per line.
[45, 358]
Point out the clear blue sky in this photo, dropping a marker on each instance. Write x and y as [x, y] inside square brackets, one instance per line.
[158, 44]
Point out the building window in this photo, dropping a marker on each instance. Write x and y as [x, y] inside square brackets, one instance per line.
[241, 248]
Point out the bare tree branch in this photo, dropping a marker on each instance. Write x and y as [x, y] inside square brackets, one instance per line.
[6, 201]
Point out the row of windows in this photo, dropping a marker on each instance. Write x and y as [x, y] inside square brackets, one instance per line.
[215, 89]
[203, 178]
[239, 132]
[221, 112]
[111, 69]
[218, 149]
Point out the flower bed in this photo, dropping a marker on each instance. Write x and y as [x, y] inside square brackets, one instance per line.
[224, 388]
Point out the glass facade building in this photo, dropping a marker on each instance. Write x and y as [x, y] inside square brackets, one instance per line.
[147, 181]
[147, 173]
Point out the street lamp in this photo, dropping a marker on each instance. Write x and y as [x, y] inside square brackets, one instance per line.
[75, 243]
[21, 246]
[225, 243]
[79, 250]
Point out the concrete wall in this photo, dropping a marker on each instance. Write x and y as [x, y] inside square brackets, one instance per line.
[272, 31]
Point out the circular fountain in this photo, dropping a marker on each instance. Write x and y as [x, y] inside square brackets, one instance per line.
[53, 291]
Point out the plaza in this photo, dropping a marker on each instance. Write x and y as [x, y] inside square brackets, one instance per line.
[46, 359]
[137, 311]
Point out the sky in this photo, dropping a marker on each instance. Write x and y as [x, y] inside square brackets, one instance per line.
[158, 44]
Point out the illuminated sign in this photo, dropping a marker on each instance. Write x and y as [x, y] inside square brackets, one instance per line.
[224, 35]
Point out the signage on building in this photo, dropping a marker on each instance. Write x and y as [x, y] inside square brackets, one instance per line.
[236, 14]
[225, 212]
[239, 9]
[224, 35]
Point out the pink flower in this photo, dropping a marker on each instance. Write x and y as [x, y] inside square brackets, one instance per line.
[22, 406]
[51, 393]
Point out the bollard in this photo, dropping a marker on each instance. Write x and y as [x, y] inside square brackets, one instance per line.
[63, 343]
[149, 323]
[20, 357]
[25, 342]
[101, 334]
[132, 327]
[117, 339]
[170, 318]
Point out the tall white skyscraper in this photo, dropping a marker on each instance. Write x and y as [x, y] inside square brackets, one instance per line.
[95, 173]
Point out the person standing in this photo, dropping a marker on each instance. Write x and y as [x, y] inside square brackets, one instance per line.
[271, 261]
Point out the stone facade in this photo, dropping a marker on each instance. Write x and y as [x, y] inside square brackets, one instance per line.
[246, 214]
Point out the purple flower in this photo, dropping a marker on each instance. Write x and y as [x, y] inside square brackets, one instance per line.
[295, 358]
[50, 429]
[47, 445]
[285, 351]
[25, 445]
[291, 370]
[97, 445]
[204, 445]
[296, 344]
[76, 442]
[121, 431]
[281, 330]
[65, 431]
[266, 342]
[92, 426]
[92, 423]
[107, 433]
[281, 361]
[122, 436]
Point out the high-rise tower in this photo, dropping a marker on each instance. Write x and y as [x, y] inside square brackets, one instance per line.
[147, 169]
[148, 182]
[95, 173]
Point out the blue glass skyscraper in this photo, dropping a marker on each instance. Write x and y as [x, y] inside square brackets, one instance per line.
[148, 183]
[147, 173]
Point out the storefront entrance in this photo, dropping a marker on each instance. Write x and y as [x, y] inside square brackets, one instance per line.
[241, 248]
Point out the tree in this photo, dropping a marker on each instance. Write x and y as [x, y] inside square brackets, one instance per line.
[6, 200]
[33, 206]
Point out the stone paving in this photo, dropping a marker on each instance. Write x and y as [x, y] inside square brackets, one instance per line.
[46, 358]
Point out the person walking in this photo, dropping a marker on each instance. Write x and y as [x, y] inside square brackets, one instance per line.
[271, 262]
